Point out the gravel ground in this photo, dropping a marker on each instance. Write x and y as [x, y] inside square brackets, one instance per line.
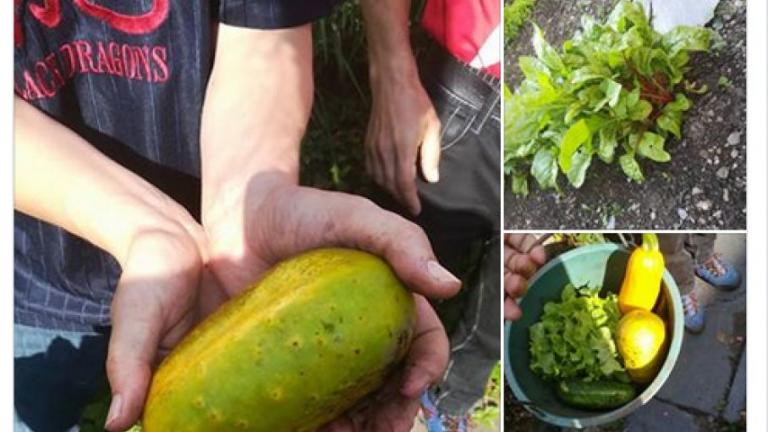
[703, 187]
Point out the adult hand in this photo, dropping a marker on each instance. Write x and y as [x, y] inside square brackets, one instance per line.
[63, 180]
[275, 219]
[280, 219]
[153, 308]
[396, 405]
[522, 257]
[403, 127]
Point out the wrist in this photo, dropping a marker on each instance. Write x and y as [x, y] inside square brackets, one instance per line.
[225, 208]
[166, 223]
[162, 251]
[398, 67]
[114, 208]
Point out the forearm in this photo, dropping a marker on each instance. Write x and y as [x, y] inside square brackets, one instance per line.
[63, 180]
[256, 110]
[389, 46]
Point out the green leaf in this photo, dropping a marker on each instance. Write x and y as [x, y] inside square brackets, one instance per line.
[522, 150]
[607, 147]
[651, 146]
[575, 109]
[627, 14]
[681, 103]
[612, 91]
[686, 38]
[545, 52]
[692, 87]
[724, 82]
[579, 165]
[633, 97]
[589, 73]
[535, 70]
[544, 168]
[520, 183]
[630, 167]
[574, 138]
[670, 122]
[574, 337]
[641, 110]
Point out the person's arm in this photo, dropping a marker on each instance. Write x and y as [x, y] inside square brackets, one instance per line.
[255, 213]
[256, 110]
[61, 179]
[403, 125]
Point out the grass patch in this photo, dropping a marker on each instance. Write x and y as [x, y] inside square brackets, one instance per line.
[516, 14]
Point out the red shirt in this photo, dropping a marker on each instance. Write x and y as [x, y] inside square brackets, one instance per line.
[468, 29]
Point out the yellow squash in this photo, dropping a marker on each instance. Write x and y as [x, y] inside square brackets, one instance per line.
[642, 279]
[640, 338]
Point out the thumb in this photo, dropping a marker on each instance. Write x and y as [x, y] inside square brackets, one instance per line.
[132, 348]
[430, 149]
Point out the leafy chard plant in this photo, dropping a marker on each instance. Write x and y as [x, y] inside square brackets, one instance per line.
[616, 91]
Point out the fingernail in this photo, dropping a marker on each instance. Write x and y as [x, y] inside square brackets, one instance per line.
[432, 175]
[114, 409]
[440, 274]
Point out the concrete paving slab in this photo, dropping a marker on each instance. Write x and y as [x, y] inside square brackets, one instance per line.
[704, 369]
[658, 416]
[737, 399]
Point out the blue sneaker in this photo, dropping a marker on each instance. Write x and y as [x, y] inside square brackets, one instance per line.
[435, 421]
[718, 273]
[694, 313]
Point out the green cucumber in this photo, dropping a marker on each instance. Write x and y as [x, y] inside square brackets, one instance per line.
[595, 395]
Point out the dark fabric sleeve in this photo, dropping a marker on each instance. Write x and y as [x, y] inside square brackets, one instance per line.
[273, 14]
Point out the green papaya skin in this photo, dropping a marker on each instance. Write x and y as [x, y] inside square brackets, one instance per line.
[294, 351]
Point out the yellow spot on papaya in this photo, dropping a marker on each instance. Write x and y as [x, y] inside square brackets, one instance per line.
[241, 424]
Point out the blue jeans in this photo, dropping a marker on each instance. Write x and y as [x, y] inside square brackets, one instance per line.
[56, 374]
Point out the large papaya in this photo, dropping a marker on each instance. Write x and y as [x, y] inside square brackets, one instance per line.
[317, 333]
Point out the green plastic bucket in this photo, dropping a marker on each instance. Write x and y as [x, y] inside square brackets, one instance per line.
[593, 265]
